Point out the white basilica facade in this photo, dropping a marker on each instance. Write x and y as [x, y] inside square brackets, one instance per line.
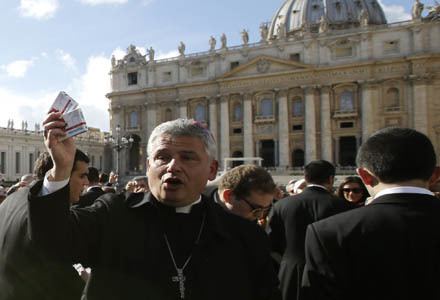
[324, 76]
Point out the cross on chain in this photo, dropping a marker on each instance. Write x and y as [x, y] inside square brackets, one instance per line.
[181, 279]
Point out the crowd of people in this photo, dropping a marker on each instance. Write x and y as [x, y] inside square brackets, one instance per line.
[169, 235]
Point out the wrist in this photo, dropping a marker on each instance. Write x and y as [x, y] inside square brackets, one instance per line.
[59, 174]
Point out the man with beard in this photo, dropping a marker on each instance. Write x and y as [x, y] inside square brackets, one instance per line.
[171, 243]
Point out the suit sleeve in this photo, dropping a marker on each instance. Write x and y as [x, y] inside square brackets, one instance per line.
[276, 233]
[319, 279]
[68, 234]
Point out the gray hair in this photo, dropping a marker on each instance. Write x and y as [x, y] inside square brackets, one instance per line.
[185, 127]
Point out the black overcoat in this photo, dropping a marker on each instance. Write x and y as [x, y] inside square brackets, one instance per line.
[288, 223]
[122, 239]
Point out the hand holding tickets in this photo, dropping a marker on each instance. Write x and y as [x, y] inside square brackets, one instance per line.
[72, 115]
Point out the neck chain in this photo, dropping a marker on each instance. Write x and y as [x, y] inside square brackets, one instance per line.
[180, 277]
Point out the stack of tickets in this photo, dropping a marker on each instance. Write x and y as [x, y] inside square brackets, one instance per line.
[71, 113]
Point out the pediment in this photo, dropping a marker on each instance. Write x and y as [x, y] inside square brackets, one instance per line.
[265, 65]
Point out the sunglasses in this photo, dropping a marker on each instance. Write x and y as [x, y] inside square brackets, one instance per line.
[258, 211]
[354, 191]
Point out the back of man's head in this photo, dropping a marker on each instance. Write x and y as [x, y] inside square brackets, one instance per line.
[397, 155]
[244, 179]
[93, 176]
[103, 178]
[319, 172]
[42, 165]
[80, 156]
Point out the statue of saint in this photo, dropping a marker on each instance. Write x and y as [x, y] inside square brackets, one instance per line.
[224, 41]
[363, 18]
[417, 9]
[245, 37]
[212, 43]
[323, 24]
[181, 49]
[263, 32]
[113, 61]
[151, 54]
[281, 31]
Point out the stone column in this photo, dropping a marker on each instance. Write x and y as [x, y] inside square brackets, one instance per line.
[224, 129]
[326, 130]
[183, 109]
[248, 124]
[370, 95]
[310, 126]
[213, 126]
[420, 105]
[283, 129]
[151, 118]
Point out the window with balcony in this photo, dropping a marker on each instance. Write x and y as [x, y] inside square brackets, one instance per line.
[392, 101]
[133, 119]
[200, 113]
[346, 102]
[297, 107]
[238, 113]
[132, 78]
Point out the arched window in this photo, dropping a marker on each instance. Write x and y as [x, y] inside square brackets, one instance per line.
[200, 113]
[346, 101]
[297, 107]
[133, 119]
[266, 108]
[168, 114]
[393, 99]
[238, 112]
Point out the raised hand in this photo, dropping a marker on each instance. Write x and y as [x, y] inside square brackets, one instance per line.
[61, 150]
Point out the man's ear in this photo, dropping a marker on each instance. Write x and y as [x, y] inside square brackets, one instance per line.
[213, 170]
[147, 163]
[435, 176]
[367, 177]
[226, 195]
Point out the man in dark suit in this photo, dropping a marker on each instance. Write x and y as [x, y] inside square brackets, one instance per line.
[27, 273]
[171, 243]
[389, 249]
[292, 215]
[93, 191]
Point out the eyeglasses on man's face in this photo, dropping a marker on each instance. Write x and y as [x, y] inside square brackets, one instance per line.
[256, 210]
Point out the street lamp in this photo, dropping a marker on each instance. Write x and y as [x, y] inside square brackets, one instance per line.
[118, 144]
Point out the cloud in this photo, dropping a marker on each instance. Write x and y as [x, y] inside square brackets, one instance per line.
[18, 68]
[66, 59]
[38, 9]
[147, 2]
[395, 13]
[98, 2]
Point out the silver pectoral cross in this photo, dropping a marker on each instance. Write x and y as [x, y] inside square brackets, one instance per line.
[181, 279]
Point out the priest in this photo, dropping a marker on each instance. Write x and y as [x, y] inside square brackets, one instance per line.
[170, 243]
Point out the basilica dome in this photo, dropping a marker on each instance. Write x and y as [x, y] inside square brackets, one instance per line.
[295, 16]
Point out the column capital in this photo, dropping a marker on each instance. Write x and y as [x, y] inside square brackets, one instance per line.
[325, 89]
[420, 78]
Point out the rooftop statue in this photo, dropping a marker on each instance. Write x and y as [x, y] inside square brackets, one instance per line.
[417, 9]
[224, 41]
[263, 32]
[323, 24]
[434, 12]
[151, 54]
[181, 48]
[245, 37]
[212, 43]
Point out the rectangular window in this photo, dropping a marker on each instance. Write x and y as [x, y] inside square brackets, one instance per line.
[297, 108]
[346, 125]
[390, 47]
[31, 162]
[234, 64]
[297, 127]
[237, 130]
[100, 162]
[17, 162]
[197, 71]
[166, 76]
[295, 57]
[93, 160]
[132, 78]
[3, 162]
[343, 52]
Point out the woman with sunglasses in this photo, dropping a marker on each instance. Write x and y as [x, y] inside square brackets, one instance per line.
[353, 190]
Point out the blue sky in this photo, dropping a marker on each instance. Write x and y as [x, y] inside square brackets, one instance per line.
[53, 45]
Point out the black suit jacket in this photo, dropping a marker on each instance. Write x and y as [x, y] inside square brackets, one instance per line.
[89, 197]
[26, 273]
[389, 249]
[122, 239]
[288, 224]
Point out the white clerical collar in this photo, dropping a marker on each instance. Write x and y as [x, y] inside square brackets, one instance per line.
[317, 185]
[91, 187]
[187, 209]
[403, 190]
